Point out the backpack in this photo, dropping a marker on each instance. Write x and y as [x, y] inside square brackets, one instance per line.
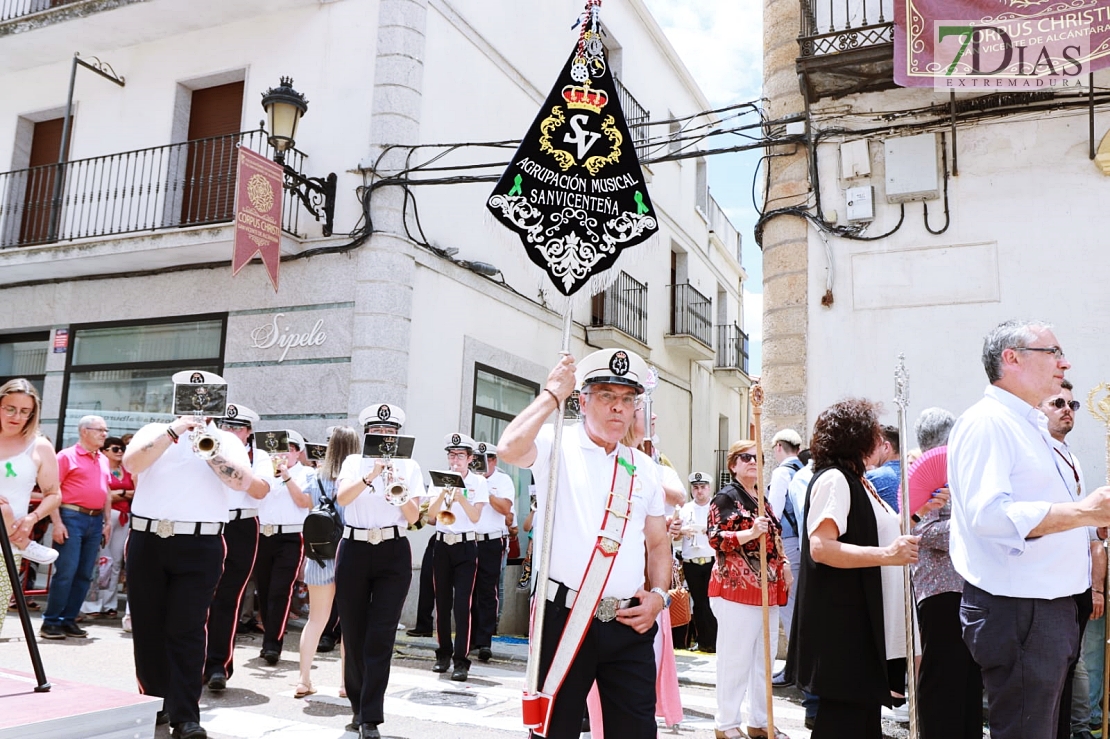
[788, 507]
[323, 528]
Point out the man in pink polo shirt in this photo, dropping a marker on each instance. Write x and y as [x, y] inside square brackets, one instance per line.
[80, 524]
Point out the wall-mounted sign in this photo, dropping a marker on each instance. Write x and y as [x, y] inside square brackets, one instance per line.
[282, 334]
[61, 340]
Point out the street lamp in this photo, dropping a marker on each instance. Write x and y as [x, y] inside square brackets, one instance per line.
[284, 107]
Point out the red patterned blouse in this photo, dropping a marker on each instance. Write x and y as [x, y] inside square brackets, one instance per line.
[736, 572]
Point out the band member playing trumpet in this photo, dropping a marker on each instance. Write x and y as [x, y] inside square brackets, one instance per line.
[373, 567]
[491, 549]
[281, 515]
[175, 555]
[456, 512]
[241, 542]
[596, 587]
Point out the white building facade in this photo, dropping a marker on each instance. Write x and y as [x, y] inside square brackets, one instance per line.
[116, 265]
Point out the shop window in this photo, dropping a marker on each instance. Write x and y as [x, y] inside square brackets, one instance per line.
[24, 355]
[123, 372]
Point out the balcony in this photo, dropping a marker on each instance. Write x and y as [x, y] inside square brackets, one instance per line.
[847, 46]
[724, 477]
[691, 326]
[618, 315]
[731, 364]
[636, 117]
[722, 231]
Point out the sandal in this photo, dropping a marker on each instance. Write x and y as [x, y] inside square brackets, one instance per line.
[110, 613]
[754, 733]
[733, 733]
[304, 690]
[342, 692]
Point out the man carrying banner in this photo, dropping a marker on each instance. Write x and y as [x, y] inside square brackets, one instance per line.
[600, 615]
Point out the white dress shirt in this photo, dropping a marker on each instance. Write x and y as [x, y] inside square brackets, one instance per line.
[492, 522]
[797, 488]
[476, 492]
[278, 507]
[1004, 478]
[263, 468]
[579, 509]
[696, 545]
[369, 509]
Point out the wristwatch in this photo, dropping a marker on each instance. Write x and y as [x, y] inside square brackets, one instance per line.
[664, 595]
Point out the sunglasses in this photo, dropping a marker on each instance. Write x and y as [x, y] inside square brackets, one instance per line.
[1060, 403]
[745, 457]
[115, 448]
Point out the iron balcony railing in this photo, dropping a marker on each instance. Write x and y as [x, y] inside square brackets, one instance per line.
[11, 9]
[724, 477]
[622, 305]
[732, 348]
[637, 118]
[163, 187]
[834, 26]
[690, 313]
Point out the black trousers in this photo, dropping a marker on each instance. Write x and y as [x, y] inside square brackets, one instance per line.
[841, 720]
[241, 543]
[949, 686]
[484, 606]
[371, 583]
[426, 605]
[171, 584]
[455, 566]
[622, 663]
[697, 579]
[275, 573]
[1083, 608]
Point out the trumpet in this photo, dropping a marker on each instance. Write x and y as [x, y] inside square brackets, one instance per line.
[396, 489]
[446, 517]
[206, 445]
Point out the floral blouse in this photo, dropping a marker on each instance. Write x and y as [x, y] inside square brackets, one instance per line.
[735, 574]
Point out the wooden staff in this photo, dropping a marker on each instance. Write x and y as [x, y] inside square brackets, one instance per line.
[757, 412]
[1101, 410]
[902, 400]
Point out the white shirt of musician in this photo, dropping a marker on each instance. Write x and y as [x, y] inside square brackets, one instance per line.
[278, 507]
[694, 515]
[262, 468]
[476, 492]
[370, 510]
[578, 512]
[492, 522]
[179, 485]
[669, 477]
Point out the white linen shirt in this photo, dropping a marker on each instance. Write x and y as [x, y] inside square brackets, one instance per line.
[369, 509]
[492, 522]
[799, 485]
[1003, 480]
[578, 512]
[476, 492]
[278, 507]
[697, 545]
[179, 485]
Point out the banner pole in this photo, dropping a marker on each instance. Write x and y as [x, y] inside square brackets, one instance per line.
[535, 638]
[901, 399]
[24, 615]
[769, 694]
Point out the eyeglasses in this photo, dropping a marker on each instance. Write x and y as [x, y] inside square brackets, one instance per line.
[609, 398]
[1060, 404]
[745, 457]
[98, 429]
[229, 425]
[458, 455]
[11, 411]
[114, 448]
[1055, 351]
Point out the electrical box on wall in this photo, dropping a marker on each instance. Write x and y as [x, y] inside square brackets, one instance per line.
[855, 160]
[912, 168]
[861, 203]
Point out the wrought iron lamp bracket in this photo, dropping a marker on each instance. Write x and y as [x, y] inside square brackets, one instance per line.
[316, 193]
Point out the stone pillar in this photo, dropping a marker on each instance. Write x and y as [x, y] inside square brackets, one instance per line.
[785, 253]
[386, 268]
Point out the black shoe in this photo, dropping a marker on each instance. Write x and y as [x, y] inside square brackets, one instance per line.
[270, 656]
[369, 731]
[484, 654]
[811, 721]
[460, 674]
[218, 680]
[441, 665]
[162, 718]
[326, 644]
[189, 730]
[779, 680]
[52, 631]
[74, 630]
[417, 632]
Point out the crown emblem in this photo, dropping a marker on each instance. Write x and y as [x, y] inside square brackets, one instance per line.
[456, 439]
[482, 448]
[196, 378]
[383, 412]
[583, 97]
[232, 411]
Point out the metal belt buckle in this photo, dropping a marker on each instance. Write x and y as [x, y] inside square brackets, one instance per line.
[164, 528]
[609, 546]
[606, 610]
[374, 536]
[268, 529]
[451, 539]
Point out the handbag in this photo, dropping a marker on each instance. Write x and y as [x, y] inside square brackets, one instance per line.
[680, 597]
[323, 528]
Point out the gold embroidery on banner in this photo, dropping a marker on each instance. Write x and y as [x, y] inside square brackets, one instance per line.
[564, 158]
[608, 127]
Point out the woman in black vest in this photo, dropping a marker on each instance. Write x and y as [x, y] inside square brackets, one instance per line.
[850, 610]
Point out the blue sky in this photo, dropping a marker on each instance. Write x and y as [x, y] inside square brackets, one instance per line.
[721, 43]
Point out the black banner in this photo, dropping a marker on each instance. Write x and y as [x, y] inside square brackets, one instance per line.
[574, 191]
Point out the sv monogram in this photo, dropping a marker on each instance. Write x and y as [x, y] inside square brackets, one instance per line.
[582, 138]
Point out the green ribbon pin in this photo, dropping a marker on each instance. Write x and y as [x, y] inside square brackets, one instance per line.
[516, 186]
[10, 472]
[640, 207]
[631, 468]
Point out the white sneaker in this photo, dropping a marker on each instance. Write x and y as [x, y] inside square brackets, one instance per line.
[38, 553]
[900, 714]
[127, 622]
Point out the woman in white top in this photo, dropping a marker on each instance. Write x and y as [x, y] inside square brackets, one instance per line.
[26, 459]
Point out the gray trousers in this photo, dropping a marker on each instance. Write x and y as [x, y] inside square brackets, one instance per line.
[1023, 647]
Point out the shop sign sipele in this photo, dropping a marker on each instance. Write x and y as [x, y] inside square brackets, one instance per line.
[283, 335]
